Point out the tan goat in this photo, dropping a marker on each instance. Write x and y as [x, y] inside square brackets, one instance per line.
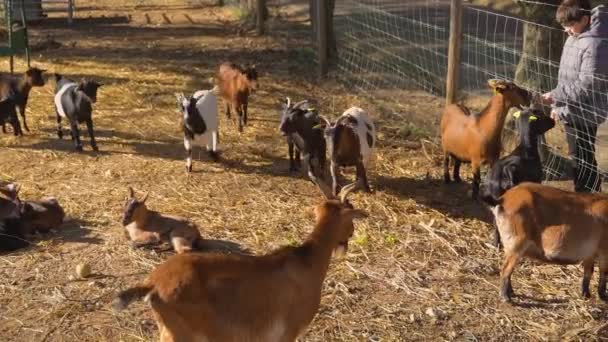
[475, 138]
[147, 227]
[553, 226]
[274, 297]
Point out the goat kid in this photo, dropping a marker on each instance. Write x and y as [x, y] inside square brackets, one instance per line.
[298, 125]
[41, 216]
[235, 85]
[11, 227]
[351, 141]
[553, 226]
[200, 119]
[523, 164]
[19, 88]
[146, 227]
[476, 138]
[74, 101]
[8, 114]
[274, 297]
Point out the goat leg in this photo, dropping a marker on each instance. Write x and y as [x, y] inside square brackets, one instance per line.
[228, 110]
[446, 168]
[92, 134]
[587, 273]
[188, 147]
[3, 128]
[457, 164]
[22, 112]
[245, 114]
[601, 286]
[75, 135]
[476, 179]
[508, 265]
[362, 176]
[59, 131]
[213, 151]
[292, 164]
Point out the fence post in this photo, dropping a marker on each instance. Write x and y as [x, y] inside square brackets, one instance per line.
[70, 11]
[322, 28]
[260, 16]
[454, 51]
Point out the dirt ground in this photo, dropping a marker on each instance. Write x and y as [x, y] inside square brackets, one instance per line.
[419, 268]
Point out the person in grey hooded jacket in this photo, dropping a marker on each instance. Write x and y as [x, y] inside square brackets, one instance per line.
[580, 100]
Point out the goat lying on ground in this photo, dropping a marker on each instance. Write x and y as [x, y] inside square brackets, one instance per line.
[200, 119]
[521, 165]
[20, 87]
[297, 124]
[147, 227]
[11, 227]
[554, 226]
[274, 297]
[475, 138]
[351, 141]
[235, 85]
[41, 216]
[74, 102]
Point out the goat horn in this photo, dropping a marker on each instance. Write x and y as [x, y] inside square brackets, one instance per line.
[144, 198]
[323, 187]
[131, 192]
[347, 189]
[342, 118]
[288, 101]
[325, 119]
[299, 103]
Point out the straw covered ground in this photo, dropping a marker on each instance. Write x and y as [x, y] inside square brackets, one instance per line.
[418, 268]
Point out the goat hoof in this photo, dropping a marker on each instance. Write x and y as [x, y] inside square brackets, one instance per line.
[214, 156]
[586, 294]
[79, 148]
[603, 297]
[189, 168]
[457, 180]
[95, 148]
[60, 135]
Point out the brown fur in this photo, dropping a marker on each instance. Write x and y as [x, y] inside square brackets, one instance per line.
[149, 227]
[553, 226]
[476, 138]
[274, 297]
[235, 88]
[23, 85]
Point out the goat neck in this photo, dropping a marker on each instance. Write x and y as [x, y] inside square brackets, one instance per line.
[494, 115]
[321, 243]
[528, 143]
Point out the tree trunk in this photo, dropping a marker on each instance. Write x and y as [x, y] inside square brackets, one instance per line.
[332, 49]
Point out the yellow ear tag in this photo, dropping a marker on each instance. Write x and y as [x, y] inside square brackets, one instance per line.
[517, 114]
[533, 118]
[312, 109]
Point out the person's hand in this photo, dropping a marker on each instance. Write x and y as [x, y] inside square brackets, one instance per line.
[547, 99]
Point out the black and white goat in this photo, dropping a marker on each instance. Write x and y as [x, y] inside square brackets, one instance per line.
[297, 124]
[521, 165]
[74, 101]
[200, 119]
[351, 141]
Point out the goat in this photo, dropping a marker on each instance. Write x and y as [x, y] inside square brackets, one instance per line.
[523, 164]
[235, 84]
[41, 216]
[11, 227]
[351, 141]
[200, 119]
[146, 227]
[297, 124]
[475, 138]
[273, 297]
[20, 88]
[554, 226]
[74, 101]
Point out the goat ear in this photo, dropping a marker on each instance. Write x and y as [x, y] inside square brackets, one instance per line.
[131, 192]
[143, 199]
[354, 214]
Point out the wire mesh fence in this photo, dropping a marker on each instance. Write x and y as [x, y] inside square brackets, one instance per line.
[398, 45]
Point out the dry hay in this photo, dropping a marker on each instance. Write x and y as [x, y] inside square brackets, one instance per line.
[418, 269]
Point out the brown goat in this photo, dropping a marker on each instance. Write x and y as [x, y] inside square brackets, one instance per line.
[41, 216]
[20, 88]
[147, 227]
[235, 84]
[553, 226]
[475, 138]
[274, 297]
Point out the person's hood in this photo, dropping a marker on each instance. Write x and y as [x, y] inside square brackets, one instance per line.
[599, 23]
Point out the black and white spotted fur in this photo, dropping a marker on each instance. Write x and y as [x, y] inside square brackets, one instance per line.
[200, 120]
[74, 101]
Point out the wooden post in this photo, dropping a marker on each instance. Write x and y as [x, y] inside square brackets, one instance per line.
[454, 51]
[322, 32]
[260, 16]
[70, 11]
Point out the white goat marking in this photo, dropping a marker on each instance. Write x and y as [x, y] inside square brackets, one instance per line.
[58, 96]
[504, 227]
[363, 121]
[206, 104]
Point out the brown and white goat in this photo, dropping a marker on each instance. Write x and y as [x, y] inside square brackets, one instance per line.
[553, 226]
[19, 88]
[146, 227]
[270, 298]
[476, 138]
[351, 141]
[235, 85]
[41, 216]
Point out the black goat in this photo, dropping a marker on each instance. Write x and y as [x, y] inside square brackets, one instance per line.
[521, 165]
[19, 87]
[8, 114]
[74, 102]
[297, 124]
[11, 227]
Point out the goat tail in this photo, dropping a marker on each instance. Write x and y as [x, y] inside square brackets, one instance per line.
[124, 298]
